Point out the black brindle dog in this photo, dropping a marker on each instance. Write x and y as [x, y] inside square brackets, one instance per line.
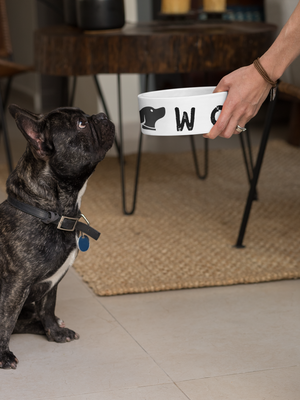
[39, 222]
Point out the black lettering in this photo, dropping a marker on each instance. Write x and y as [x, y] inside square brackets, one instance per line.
[213, 114]
[185, 119]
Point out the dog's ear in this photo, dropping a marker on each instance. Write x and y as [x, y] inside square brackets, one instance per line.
[33, 128]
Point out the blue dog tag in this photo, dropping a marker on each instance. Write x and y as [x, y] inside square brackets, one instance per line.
[83, 243]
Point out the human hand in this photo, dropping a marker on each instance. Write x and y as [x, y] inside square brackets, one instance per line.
[247, 90]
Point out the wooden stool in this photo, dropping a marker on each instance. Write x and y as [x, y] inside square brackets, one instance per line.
[291, 93]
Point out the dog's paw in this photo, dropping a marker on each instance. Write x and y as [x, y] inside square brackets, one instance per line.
[8, 360]
[60, 322]
[61, 335]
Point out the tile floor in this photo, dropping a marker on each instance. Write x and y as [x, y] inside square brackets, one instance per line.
[237, 343]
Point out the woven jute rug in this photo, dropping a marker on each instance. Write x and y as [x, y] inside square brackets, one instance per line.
[183, 232]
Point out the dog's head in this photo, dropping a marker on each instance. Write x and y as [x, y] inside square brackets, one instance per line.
[67, 138]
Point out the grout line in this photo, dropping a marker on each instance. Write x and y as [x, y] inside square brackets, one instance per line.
[145, 351]
[98, 299]
[114, 390]
[182, 391]
[239, 373]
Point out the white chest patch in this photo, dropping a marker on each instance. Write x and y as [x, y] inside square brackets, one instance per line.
[81, 193]
[54, 279]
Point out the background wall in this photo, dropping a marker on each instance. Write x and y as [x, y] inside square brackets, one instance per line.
[22, 23]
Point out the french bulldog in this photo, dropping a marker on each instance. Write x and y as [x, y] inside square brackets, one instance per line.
[39, 222]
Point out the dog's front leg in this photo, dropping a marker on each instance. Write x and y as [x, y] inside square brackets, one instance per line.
[12, 299]
[45, 309]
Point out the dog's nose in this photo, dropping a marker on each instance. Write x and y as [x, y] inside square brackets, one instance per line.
[99, 117]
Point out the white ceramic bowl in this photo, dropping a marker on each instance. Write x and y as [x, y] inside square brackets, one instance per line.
[177, 112]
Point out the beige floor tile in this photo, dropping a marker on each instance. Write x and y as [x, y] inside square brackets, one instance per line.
[279, 384]
[157, 392]
[72, 286]
[61, 377]
[104, 358]
[216, 331]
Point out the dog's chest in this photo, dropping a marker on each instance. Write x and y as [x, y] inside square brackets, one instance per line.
[59, 274]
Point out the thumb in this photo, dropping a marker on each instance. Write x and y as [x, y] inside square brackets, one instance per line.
[221, 87]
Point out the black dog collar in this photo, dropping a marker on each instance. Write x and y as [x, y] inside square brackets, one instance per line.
[63, 223]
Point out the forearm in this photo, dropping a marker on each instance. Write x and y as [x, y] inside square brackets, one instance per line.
[285, 48]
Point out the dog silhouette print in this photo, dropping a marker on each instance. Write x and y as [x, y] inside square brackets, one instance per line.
[149, 116]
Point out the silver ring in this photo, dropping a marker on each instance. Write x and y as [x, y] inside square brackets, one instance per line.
[239, 129]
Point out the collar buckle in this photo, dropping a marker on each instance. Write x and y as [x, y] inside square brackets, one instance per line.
[68, 221]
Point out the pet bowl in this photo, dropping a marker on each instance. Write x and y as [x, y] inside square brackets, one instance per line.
[178, 112]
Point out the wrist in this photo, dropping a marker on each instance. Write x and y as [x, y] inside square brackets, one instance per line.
[272, 68]
[260, 69]
[264, 74]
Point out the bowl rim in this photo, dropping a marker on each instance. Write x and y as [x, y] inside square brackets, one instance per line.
[155, 94]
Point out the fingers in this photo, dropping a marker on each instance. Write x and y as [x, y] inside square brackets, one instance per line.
[226, 125]
[231, 127]
[235, 112]
[227, 132]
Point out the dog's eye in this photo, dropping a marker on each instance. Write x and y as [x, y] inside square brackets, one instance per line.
[81, 124]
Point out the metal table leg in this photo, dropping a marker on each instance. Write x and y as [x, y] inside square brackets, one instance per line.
[256, 172]
[122, 162]
[71, 100]
[194, 152]
[105, 108]
[248, 158]
[119, 145]
[5, 135]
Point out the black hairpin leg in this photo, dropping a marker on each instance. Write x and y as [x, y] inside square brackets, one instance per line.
[248, 158]
[71, 100]
[256, 172]
[204, 175]
[138, 161]
[192, 139]
[99, 90]
[7, 92]
[5, 135]
[249, 149]
[119, 146]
